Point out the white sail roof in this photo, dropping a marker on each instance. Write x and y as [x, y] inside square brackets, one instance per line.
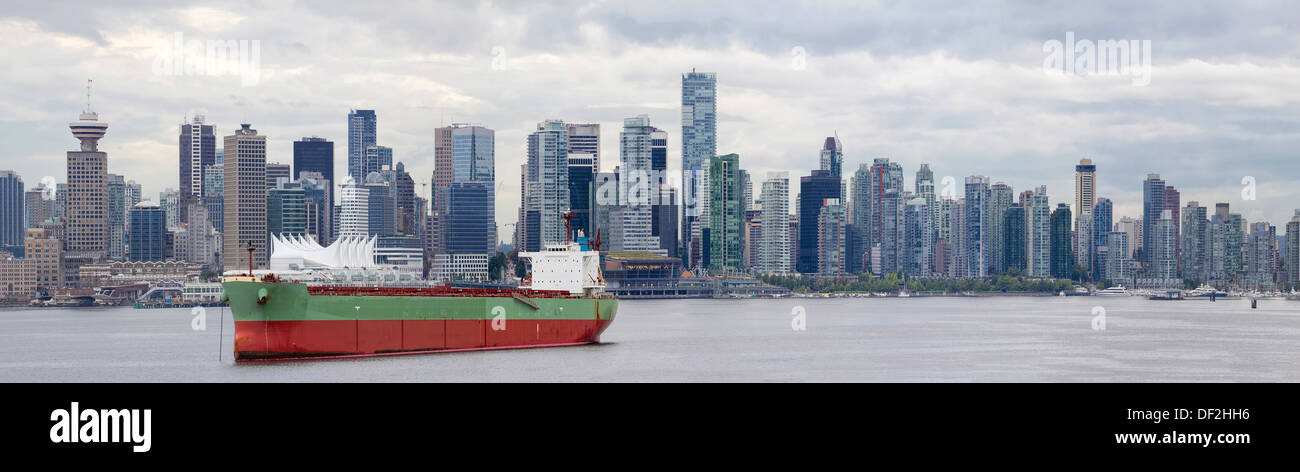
[291, 250]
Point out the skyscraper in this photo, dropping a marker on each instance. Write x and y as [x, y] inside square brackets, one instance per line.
[198, 145]
[1001, 196]
[148, 232]
[362, 131]
[862, 191]
[1164, 266]
[1015, 242]
[1040, 240]
[354, 209]
[582, 171]
[663, 208]
[699, 144]
[1062, 265]
[584, 138]
[918, 252]
[473, 160]
[1085, 198]
[86, 211]
[1118, 257]
[443, 145]
[774, 251]
[830, 237]
[376, 159]
[244, 174]
[546, 183]
[813, 190]
[1172, 204]
[313, 154]
[832, 155]
[117, 211]
[1192, 242]
[584, 163]
[977, 232]
[39, 205]
[286, 210]
[276, 173]
[12, 228]
[640, 185]
[1291, 250]
[893, 242]
[726, 214]
[1102, 213]
[1260, 262]
[1153, 202]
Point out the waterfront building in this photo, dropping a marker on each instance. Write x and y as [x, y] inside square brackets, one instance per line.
[1001, 196]
[44, 248]
[727, 215]
[1164, 266]
[813, 190]
[38, 202]
[148, 232]
[830, 237]
[86, 208]
[117, 211]
[1040, 240]
[862, 205]
[1015, 243]
[1153, 202]
[1085, 201]
[1261, 263]
[1118, 258]
[1192, 242]
[917, 249]
[1062, 262]
[977, 230]
[774, 252]
[1102, 214]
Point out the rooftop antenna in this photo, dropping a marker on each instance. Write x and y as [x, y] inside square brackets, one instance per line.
[88, 82]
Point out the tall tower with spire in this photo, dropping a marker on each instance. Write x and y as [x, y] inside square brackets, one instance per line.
[86, 228]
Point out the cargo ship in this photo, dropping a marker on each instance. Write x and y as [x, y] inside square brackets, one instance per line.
[314, 308]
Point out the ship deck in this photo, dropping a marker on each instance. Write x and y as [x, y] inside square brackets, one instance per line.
[441, 291]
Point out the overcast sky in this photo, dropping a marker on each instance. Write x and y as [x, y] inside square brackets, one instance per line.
[959, 85]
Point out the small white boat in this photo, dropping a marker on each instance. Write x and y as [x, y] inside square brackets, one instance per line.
[1116, 291]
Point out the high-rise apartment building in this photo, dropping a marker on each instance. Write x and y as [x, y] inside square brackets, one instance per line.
[774, 251]
[362, 132]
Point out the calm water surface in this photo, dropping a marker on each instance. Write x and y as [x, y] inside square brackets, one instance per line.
[911, 340]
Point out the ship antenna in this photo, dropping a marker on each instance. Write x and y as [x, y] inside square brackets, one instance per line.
[250, 257]
[568, 215]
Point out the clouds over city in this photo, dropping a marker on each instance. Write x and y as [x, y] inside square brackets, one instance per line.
[959, 85]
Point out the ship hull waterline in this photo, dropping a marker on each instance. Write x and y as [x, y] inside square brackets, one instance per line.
[290, 323]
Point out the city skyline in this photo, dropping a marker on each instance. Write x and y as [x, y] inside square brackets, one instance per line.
[1021, 126]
